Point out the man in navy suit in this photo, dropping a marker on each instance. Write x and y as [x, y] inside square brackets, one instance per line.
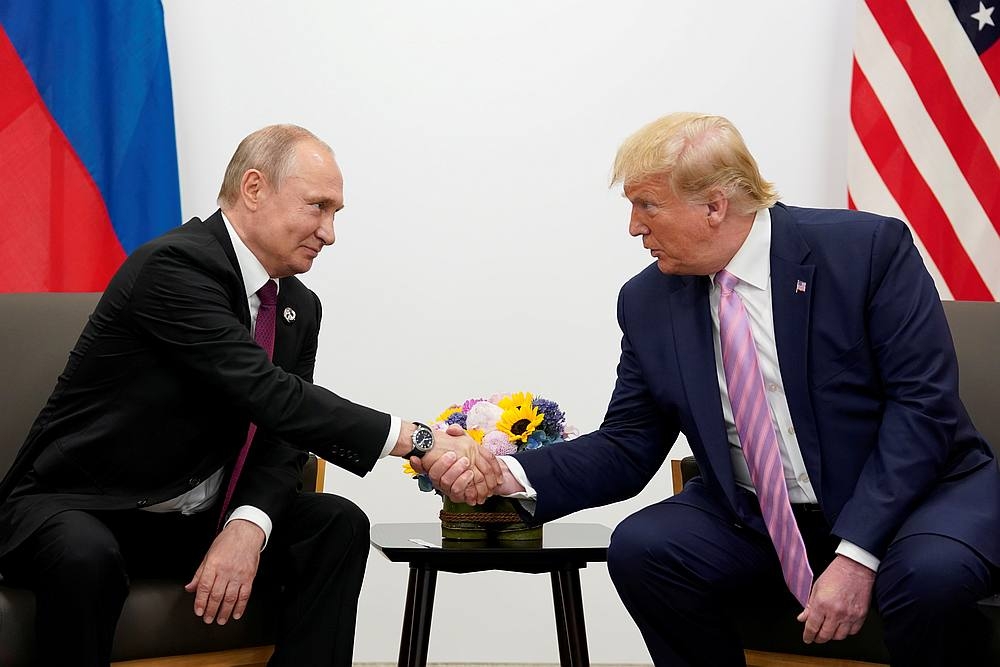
[893, 492]
[128, 469]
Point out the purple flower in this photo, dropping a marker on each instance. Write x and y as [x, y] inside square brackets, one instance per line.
[456, 418]
[554, 417]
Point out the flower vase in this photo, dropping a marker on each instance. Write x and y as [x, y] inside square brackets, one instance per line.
[495, 520]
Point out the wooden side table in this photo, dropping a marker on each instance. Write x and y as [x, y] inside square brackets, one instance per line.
[564, 550]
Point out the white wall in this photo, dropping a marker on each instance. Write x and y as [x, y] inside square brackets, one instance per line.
[480, 249]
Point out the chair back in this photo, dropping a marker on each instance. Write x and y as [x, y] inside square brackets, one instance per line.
[38, 331]
[975, 328]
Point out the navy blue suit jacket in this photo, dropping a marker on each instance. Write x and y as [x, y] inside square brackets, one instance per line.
[869, 372]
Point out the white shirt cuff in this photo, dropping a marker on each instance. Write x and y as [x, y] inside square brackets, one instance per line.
[858, 555]
[395, 424]
[254, 516]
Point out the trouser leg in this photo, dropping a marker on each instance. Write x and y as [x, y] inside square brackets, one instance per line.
[318, 553]
[926, 589]
[74, 566]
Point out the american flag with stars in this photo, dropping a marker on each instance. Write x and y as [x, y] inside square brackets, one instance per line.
[924, 142]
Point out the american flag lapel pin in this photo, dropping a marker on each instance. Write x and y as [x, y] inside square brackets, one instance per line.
[800, 286]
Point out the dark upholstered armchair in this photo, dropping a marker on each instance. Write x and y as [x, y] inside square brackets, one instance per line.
[975, 327]
[39, 330]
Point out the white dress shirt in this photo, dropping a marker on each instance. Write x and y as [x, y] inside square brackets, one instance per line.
[203, 496]
[752, 265]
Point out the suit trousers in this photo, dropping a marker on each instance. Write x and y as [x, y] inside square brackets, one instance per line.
[685, 568]
[79, 564]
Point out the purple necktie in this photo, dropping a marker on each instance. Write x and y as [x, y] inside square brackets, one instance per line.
[757, 437]
[263, 333]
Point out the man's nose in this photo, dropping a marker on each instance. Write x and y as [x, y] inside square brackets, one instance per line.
[635, 226]
[325, 232]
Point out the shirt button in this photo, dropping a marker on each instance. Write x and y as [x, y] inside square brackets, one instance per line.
[142, 503]
[804, 478]
[791, 430]
[772, 386]
[193, 482]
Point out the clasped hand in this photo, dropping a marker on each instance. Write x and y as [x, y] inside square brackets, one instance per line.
[838, 603]
[459, 467]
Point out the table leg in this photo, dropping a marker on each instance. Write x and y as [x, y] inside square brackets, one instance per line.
[570, 627]
[416, 633]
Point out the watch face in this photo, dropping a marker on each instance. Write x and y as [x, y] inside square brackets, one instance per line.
[423, 438]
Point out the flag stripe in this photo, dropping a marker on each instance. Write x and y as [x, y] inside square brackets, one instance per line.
[991, 61]
[969, 75]
[908, 187]
[932, 84]
[865, 183]
[102, 70]
[59, 237]
[920, 141]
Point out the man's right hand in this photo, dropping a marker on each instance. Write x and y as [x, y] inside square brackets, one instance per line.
[459, 479]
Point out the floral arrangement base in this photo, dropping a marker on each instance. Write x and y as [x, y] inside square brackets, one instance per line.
[496, 519]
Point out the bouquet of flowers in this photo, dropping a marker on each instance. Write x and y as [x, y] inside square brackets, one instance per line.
[504, 424]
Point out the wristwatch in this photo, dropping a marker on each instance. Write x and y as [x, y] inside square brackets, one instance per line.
[422, 439]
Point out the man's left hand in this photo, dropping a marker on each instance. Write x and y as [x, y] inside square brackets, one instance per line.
[839, 601]
[223, 581]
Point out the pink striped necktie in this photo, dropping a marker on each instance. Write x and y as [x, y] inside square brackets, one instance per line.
[263, 333]
[757, 437]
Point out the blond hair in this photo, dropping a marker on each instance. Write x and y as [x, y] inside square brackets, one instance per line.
[271, 151]
[697, 154]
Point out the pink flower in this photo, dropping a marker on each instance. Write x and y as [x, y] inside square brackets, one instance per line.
[498, 443]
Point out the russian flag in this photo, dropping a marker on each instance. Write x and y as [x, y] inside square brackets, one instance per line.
[88, 160]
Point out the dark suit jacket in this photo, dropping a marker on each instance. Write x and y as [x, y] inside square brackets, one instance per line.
[870, 376]
[163, 383]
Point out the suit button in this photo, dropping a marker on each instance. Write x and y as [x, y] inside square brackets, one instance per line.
[193, 482]
[142, 503]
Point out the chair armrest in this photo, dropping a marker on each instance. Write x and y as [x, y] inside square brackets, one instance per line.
[682, 471]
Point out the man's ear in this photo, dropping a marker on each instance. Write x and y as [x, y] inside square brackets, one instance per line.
[251, 186]
[718, 207]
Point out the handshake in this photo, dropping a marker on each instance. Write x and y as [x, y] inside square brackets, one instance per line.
[463, 470]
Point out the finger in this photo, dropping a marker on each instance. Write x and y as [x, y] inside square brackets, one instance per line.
[447, 481]
[205, 581]
[459, 491]
[241, 601]
[492, 469]
[441, 466]
[827, 631]
[482, 491]
[454, 429]
[215, 598]
[417, 464]
[842, 631]
[464, 482]
[813, 623]
[229, 599]
[192, 585]
[855, 627]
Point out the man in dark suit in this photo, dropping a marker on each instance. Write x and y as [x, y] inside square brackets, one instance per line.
[844, 395]
[132, 466]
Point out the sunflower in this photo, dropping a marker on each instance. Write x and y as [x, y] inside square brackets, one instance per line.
[408, 469]
[516, 400]
[520, 422]
[443, 417]
[476, 434]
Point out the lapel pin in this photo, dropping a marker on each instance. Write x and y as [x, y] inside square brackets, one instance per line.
[289, 315]
[800, 286]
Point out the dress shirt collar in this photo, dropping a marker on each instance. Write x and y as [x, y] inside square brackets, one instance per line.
[752, 262]
[253, 272]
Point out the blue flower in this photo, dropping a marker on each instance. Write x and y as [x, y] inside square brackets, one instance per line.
[424, 483]
[457, 418]
[554, 417]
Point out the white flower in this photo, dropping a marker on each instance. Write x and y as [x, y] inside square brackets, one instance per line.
[484, 416]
